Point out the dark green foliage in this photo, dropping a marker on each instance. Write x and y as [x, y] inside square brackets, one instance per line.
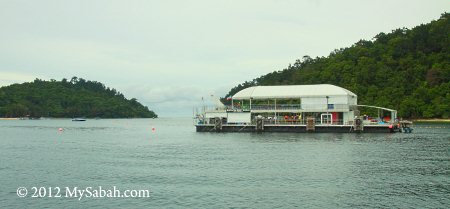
[407, 70]
[75, 98]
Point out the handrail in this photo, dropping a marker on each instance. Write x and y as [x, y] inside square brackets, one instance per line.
[305, 107]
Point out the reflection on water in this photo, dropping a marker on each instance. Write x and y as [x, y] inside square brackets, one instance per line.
[186, 169]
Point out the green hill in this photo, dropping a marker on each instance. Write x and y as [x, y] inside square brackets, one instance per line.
[407, 70]
[74, 98]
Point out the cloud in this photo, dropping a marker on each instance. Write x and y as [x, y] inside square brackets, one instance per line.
[11, 77]
[175, 100]
[169, 54]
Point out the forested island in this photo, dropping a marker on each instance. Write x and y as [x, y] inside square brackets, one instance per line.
[407, 70]
[68, 98]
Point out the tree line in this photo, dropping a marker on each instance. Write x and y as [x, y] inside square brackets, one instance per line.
[76, 97]
[406, 69]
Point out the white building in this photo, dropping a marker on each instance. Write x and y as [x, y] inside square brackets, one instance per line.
[329, 104]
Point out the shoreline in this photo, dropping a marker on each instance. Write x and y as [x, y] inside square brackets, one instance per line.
[433, 120]
[45, 118]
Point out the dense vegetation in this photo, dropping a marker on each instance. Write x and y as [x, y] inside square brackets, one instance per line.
[75, 98]
[407, 70]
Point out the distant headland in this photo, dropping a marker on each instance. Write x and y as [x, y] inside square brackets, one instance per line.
[76, 97]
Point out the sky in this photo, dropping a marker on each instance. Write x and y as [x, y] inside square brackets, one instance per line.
[169, 54]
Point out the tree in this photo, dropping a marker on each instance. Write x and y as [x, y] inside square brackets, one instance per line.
[406, 69]
[76, 98]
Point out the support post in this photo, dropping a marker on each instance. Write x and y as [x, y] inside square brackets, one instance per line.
[217, 124]
[310, 124]
[393, 116]
[275, 109]
[359, 125]
[259, 126]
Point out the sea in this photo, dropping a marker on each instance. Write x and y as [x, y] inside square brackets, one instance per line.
[164, 163]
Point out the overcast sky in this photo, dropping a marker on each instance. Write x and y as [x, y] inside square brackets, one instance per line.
[170, 54]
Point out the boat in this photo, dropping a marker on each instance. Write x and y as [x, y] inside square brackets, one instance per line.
[295, 108]
[78, 119]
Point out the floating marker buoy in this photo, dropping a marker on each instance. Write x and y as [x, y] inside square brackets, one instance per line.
[60, 129]
[153, 129]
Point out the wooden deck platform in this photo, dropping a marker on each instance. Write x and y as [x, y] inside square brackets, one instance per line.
[295, 128]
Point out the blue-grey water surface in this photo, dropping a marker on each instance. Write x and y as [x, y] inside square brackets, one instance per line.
[185, 169]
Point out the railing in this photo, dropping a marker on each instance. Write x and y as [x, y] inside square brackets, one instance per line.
[212, 109]
[277, 107]
[281, 107]
[299, 122]
[325, 107]
[283, 121]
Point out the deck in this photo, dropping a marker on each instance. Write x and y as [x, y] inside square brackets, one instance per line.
[294, 128]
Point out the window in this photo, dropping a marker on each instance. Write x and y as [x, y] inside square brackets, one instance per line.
[326, 118]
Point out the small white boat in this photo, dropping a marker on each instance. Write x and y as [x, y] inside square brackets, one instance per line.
[78, 119]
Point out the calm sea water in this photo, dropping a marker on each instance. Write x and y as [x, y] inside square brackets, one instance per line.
[185, 169]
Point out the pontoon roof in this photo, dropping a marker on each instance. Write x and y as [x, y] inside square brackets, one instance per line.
[292, 91]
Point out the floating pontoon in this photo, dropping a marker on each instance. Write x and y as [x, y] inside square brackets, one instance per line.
[294, 108]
